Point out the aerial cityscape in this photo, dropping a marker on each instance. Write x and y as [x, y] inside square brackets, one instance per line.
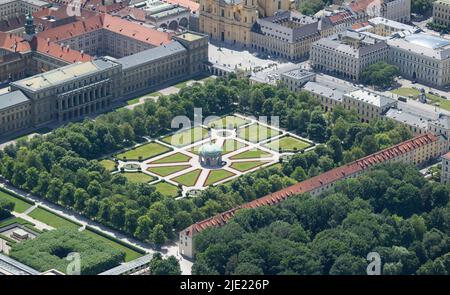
[224, 137]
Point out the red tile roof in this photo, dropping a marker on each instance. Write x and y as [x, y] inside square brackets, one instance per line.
[446, 156]
[193, 6]
[318, 181]
[340, 17]
[13, 43]
[110, 23]
[360, 6]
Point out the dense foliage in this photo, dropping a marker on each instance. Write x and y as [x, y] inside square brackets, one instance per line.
[5, 208]
[392, 210]
[422, 7]
[164, 266]
[311, 7]
[380, 74]
[63, 169]
[49, 251]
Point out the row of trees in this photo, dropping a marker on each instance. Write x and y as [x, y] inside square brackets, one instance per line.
[63, 169]
[391, 210]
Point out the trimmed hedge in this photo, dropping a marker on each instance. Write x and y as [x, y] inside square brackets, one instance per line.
[16, 196]
[50, 249]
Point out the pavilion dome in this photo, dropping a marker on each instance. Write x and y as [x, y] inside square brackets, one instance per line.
[210, 150]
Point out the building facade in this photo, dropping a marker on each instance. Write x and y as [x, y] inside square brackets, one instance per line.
[347, 55]
[397, 10]
[230, 21]
[441, 12]
[445, 172]
[417, 151]
[12, 8]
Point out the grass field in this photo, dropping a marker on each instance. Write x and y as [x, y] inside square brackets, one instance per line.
[138, 177]
[167, 189]
[174, 158]
[51, 219]
[167, 170]
[188, 179]
[413, 93]
[145, 151]
[8, 221]
[130, 254]
[231, 145]
[186, 137]
[19, 205]
[251, 154]
[257, 133]
[109, 165]
[288, 143]
[228, 122]
[217, 175]
[196, 148]
[245, 166]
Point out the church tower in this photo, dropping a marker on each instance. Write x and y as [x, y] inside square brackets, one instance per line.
[30, 27]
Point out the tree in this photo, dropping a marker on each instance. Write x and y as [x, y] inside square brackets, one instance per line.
[167, 266]
[421, 6]
[6, 207]
[380, 74]
[299, 174]
[369, 144]
[158, 236]
[347, 264]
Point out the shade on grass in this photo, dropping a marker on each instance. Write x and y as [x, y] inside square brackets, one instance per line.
[167, 170]
[217, 175]
[227, 121]
[257, 133]
[288, 143]
[414, 93]
[251, 154]
[188, 179]
[146, 151]
[167, 189]
[109, 165]
[245, 166]
[130, 254]
[231, 145]
[51, 218]
[19, 205]
[186, 137]
[138, 177]
[174, 158]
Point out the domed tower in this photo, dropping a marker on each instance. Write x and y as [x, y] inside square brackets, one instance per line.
[210, 155]
[30, 27]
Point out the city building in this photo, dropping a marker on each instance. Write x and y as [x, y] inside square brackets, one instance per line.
[445, 172]
[288, 34]
[9, 266]
[441, 12]
[397, 10]
[422, 57]
[368, 105]
[161, 14]
[294, 80]
[12, 8]
[387, 28]
[347, 54]
[417, 151]
[231, 21]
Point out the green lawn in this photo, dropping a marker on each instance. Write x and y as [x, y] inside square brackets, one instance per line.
[186, 137]
[145, 151]
[130, 254]
[19, 205]
[167, 170]
[251, 154]
[109, 165]
[138, 177]
[174, 158]
[133, 101]
[188, 179]
[229, 122]
[257, 133]
[13, 220]
[231, 145]
[413, 93]
[167, 189]
[51, 219]
[288, 144]
[245, 166]
[217, 175]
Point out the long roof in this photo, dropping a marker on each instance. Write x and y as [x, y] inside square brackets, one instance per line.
[107, 22]
[12, 98]
[14, 267]
[316, 182]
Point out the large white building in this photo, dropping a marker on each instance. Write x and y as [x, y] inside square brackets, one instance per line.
[12, 8]
[441, 12]
[422, 57]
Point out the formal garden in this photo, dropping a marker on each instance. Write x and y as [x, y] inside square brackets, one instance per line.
[171, 163]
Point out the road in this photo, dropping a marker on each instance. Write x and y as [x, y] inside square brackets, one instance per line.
[167, 250]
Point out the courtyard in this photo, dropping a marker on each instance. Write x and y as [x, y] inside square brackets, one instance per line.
[195, 158]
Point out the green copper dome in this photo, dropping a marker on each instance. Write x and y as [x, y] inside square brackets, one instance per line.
[210, 150]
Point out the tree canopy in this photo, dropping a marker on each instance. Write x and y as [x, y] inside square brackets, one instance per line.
[380, 74]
